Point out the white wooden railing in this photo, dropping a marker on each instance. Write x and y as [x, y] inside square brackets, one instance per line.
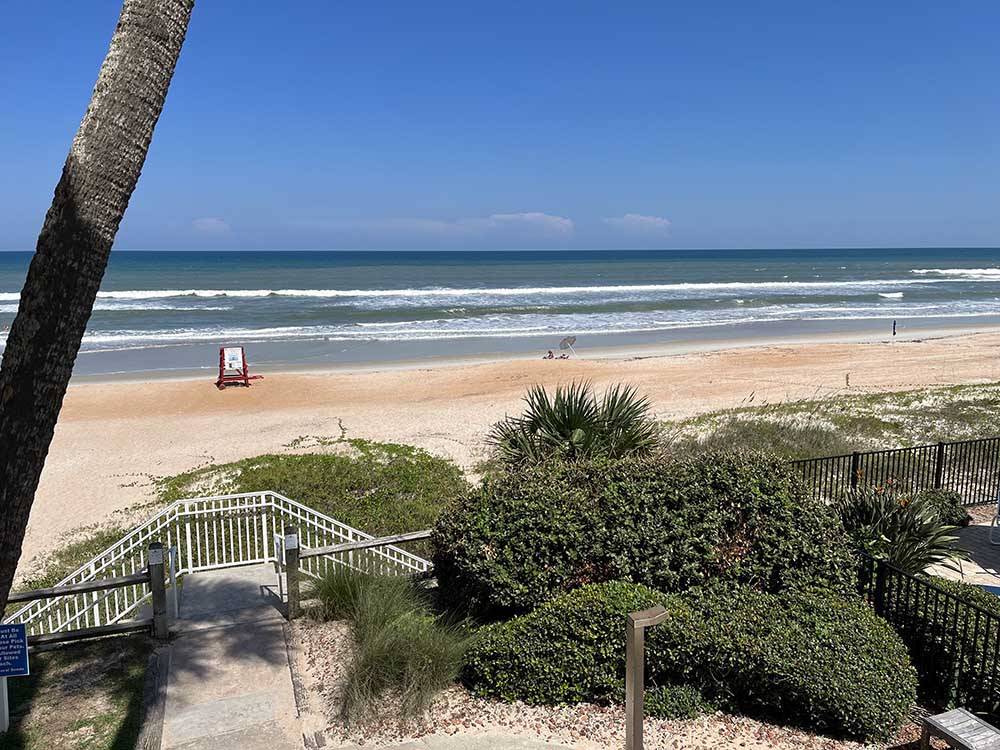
[207, 533]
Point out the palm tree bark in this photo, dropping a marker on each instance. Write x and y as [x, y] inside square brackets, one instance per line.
[97, 180]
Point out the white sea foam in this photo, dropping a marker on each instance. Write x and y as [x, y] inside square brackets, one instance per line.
[970, 274]
[891, 295]
[499, 325]
[448, 292]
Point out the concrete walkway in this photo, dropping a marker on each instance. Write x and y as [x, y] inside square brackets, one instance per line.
[230, 684]
[983, 565]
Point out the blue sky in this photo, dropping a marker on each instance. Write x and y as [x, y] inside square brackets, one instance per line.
[537, 124]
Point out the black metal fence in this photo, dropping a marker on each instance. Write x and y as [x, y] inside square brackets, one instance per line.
[969, 467]
[954, 644]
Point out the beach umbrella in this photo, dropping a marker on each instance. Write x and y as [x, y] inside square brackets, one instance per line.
[567, 343]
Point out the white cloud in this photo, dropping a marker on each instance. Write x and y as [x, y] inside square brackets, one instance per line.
[639, 224]
[547, 223]
[211, 225]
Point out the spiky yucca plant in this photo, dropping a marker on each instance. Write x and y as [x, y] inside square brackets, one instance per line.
[575, 423]
[906, 532]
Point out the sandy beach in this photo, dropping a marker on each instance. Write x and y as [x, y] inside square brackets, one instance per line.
[115, 438]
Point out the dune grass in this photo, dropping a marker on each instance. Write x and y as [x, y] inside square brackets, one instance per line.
[842, 424]
[404, 652]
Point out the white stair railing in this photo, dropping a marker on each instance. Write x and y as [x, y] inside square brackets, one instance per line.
[208, 533]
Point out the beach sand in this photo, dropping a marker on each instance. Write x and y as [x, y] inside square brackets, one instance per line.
[114, 438]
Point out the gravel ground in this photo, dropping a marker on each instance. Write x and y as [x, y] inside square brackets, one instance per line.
[322, 650]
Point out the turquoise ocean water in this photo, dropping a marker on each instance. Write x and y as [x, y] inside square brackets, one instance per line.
[169, 311]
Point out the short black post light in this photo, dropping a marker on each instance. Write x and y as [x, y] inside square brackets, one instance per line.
[635, 663]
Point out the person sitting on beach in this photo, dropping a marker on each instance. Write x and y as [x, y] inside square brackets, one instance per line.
[550, 355]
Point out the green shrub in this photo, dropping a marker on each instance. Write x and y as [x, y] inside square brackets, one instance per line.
[525, 536]
[677, 702]
[948, 505]
[574, 423]
[568, 650]
[404, 653]
[815, 660]
[380, 488]
[906, 532]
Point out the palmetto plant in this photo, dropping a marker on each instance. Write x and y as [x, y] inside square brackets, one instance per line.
[905, 532]
[574, 423]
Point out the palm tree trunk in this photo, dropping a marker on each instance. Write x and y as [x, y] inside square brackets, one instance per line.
[97, 180]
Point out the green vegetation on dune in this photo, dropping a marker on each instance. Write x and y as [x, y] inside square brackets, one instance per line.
[380, 488]
[841, 424]
[66, 559]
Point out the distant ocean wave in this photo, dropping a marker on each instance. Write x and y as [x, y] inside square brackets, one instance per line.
[520, 291]
[970, 274]
[501, 325]
[125, 307]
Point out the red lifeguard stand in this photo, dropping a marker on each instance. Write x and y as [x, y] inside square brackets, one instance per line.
[233, 368]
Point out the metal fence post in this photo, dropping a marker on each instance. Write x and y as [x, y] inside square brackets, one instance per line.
[939, 466]
[158, 589]
[292, 570]
[855, 469]
[635, 662]
[878, 596]
[172, 556]
[4, 706]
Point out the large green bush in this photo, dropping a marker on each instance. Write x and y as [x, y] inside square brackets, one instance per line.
[526, 535]
[816, 660]
[568, 650]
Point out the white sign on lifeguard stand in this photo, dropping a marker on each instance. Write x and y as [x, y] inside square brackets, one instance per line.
[233, 369]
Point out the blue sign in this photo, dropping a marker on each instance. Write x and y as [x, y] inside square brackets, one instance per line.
[13, 650]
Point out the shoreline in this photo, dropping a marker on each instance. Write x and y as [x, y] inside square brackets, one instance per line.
[620, 351]
[114, 439]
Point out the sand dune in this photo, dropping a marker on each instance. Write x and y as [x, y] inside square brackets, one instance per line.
[113, 438]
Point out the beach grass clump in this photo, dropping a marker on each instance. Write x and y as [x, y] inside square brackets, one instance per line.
[574, 422]
[404, 652]
[380, 488]
[817, 660]
[525, 536]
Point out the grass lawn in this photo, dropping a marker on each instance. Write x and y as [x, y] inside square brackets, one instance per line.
[85, 696]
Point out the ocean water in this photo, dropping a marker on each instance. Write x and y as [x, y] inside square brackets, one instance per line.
[169, 311]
